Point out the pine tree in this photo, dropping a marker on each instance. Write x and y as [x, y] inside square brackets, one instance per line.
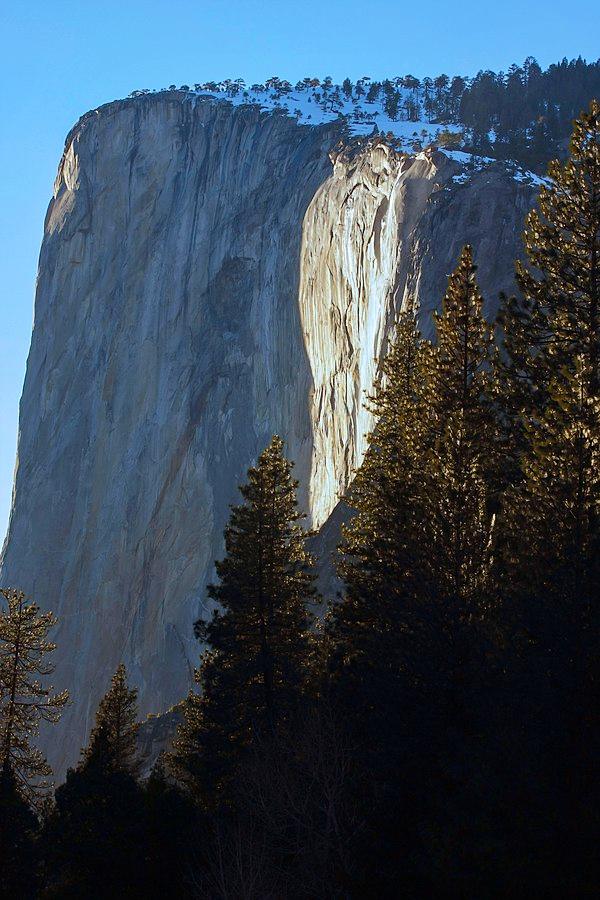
[403, 651]
[173, 827]
[463, 472]
[24, 700]
[556, 322]
[551, 526]
[418, 549]
[551, 375]
[116, 726]
[548, 552]
[381, 554]
[95, 836]
[548, 562]
[463, 481]
[378, 634]
[259, 637]
[383, 635]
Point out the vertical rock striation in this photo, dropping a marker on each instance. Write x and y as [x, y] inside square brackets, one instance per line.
[383, 228]
[356, 239]
[209, 275]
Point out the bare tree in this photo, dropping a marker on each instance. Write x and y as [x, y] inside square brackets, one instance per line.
[294, 822]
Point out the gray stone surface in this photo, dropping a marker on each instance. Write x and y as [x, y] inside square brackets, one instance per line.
[208, 276]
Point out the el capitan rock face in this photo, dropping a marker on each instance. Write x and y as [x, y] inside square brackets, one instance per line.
[209, 275]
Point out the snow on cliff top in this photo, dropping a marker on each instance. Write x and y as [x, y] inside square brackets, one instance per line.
[400, 116]
[316, 103]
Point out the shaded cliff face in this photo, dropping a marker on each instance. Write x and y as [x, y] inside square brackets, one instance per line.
[208, 276]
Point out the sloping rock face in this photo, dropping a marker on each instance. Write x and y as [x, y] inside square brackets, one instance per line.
[208, 276]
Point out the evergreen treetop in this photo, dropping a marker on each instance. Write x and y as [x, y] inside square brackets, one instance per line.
[113, 741]
[379, 549]
[559, 315]
[550, 374]
[463, 453]
[259, 636]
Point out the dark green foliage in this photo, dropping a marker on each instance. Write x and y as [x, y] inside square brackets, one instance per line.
[555, 321]
[116, 728]
[560, 485]
[291, 830]
[379, 549]
[174, 837]
[559, 320]
[462, 458]
[25, 702]
[18, 831]
[407, 642]
[94, 839]
[526, 98]
[551, 375]
[259, 637]
[379, 633]
[373, 92]
[391, 101]
[419, 544]
[548, 551]
[524, 114]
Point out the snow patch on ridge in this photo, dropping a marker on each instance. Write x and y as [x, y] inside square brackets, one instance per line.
[318, 105]
[311, 107]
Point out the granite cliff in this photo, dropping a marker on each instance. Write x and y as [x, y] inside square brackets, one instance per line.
[210, 274]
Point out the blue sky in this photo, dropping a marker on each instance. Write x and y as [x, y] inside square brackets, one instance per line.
[63, 57]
